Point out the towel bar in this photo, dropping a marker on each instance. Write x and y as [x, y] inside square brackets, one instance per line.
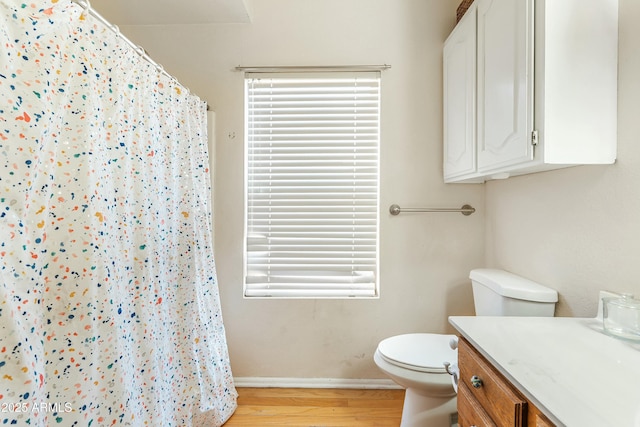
[465, 210]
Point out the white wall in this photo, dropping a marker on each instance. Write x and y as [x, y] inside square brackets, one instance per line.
[425, 258]
[578, 229]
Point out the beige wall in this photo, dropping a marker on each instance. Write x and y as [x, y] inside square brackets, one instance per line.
[578, 230]
[425, 258]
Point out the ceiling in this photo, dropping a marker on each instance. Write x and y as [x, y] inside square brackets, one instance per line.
[168, 12]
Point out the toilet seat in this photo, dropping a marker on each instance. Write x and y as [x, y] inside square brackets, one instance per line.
[419, 352]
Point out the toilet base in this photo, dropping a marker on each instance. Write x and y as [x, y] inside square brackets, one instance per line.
[423, 411]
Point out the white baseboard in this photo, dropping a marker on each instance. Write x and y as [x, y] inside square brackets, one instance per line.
[272, 382]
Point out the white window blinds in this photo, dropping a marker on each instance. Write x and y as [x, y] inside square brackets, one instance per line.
[312, 162]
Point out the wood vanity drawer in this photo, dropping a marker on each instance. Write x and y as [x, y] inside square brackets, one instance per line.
[535, 418]
[470, 413]
[492, 391]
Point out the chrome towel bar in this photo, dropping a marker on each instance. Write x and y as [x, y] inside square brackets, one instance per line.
[465, 210]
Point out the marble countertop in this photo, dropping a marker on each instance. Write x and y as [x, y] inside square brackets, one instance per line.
[568, 367]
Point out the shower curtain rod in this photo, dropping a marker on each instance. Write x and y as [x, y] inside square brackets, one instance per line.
[86, 5]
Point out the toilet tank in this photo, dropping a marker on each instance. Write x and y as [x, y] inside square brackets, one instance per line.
[500, 293]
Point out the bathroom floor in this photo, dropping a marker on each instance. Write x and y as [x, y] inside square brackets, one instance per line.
[317, 407]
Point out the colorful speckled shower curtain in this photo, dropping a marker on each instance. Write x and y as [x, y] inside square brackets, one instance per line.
[109, 307]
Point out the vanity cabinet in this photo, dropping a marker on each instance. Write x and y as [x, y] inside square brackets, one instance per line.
[487, 399]
[530, 85]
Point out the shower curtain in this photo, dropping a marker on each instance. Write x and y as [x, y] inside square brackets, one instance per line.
[109, 306]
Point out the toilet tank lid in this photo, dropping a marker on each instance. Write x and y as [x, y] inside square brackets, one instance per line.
[513, 286]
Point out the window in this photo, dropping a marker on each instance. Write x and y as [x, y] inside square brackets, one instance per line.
[312, 162]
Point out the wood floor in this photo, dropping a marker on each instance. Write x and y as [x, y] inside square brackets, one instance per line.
[317, 407]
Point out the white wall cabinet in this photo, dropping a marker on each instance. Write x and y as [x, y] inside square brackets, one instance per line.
[459, 88]
[545, 89]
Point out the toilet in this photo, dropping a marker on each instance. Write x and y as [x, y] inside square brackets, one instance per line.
[416, 361]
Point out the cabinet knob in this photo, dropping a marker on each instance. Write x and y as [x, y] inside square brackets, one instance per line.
[476, 382]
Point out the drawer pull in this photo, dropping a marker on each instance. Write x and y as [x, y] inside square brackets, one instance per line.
[476, 382]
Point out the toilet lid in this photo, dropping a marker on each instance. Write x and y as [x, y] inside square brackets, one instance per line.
[419, 352]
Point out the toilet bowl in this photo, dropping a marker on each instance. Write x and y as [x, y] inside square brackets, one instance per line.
[416, 361]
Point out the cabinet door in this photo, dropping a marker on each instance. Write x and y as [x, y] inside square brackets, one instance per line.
[483, 382]
[470, 412]
[459, 85]
[505, 83]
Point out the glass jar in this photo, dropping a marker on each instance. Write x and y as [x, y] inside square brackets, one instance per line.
[622, 317]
